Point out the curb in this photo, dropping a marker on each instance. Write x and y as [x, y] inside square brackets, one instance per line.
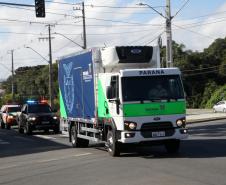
[204, 120]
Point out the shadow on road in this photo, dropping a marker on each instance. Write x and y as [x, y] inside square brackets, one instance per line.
[12, 144]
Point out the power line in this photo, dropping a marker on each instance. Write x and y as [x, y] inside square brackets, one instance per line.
[201, 23]
[207, 36]
[99, 6]
[181, 8]
[201, 73]
[155, 38]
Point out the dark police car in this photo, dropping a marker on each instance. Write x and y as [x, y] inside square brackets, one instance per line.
[37, 116]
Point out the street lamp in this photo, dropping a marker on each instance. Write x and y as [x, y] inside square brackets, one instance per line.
[83, 47]
[50, 76]
[37, 53]
[168, 18]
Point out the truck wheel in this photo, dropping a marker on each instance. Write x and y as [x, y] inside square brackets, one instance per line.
[75, 141]
[113, 146]
[172, 146]
[27, 129]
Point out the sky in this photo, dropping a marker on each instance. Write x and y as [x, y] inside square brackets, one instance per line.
[195, 23]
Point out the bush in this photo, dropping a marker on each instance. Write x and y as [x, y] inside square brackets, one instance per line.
[218, 95]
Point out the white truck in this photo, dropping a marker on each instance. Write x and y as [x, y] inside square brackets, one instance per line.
[120, 95]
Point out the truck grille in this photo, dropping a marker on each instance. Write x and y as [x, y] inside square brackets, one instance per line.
[148, 128]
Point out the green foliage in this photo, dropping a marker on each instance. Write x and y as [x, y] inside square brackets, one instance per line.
[219, 94]
[210, 88]
[31, 82]
[202, 72]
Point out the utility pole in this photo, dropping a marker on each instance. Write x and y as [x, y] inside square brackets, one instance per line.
[84, 26]
[50, 69]
[169, 51]
[13, 96]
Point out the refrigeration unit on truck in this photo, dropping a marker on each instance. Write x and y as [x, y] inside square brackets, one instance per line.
[120, 96]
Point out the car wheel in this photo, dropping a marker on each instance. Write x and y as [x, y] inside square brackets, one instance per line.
[172, 146]
[8, 127]
[2, 124]
[224, 110]
[56, 130]
[113, 146]
[21, 130]
[27, 129]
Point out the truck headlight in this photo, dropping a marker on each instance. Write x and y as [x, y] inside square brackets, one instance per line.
[130, 125]
[31, 118]
[181, 122]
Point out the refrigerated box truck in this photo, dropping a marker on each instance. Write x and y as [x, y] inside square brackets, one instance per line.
[120, 96]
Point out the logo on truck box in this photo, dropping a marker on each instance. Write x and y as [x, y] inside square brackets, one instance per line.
[68, 86]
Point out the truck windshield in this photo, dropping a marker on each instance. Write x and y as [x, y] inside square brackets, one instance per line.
[152, 88]
[39, 108]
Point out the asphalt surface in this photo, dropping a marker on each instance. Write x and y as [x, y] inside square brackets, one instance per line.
[44, 159]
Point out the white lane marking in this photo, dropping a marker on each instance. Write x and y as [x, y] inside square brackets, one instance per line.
[6, 167]
[45, 137]
[43, 161]
[66, 157]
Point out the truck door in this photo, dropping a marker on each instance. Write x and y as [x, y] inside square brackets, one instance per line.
[114, 103]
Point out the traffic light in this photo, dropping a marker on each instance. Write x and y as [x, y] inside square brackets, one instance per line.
[40, 8]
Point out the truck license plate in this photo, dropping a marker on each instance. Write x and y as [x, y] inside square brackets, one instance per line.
[158, 134]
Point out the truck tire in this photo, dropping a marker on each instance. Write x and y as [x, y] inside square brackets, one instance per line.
[75, 141]
[172, 146]
[113, 146]
[27, 129]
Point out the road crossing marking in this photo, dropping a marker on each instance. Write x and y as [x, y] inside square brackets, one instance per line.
[43, 161]
[65, 157]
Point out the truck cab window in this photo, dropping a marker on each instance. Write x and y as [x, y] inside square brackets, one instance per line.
[115, 86]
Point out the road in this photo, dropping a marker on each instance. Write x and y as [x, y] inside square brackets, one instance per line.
[46, 159]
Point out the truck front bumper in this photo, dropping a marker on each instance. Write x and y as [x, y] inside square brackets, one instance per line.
[139, 137]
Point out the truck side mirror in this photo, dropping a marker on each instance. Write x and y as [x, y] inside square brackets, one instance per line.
[109, 92]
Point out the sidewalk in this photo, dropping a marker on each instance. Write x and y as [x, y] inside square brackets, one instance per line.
[200, 115]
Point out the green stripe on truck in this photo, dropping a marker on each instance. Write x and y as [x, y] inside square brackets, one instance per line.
[103, 109]
[63, 112]
[154, 108]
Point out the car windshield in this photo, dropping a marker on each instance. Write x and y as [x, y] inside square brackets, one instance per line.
[152, 88]
[13, 109]
[39, 108]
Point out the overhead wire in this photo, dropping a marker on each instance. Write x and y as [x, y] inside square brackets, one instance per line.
[181, 8]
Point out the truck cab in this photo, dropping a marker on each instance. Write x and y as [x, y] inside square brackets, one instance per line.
[145, 105]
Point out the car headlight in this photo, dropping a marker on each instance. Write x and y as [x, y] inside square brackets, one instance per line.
[55, 117]
[32, 118]
[130, 125]
[181, 122]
